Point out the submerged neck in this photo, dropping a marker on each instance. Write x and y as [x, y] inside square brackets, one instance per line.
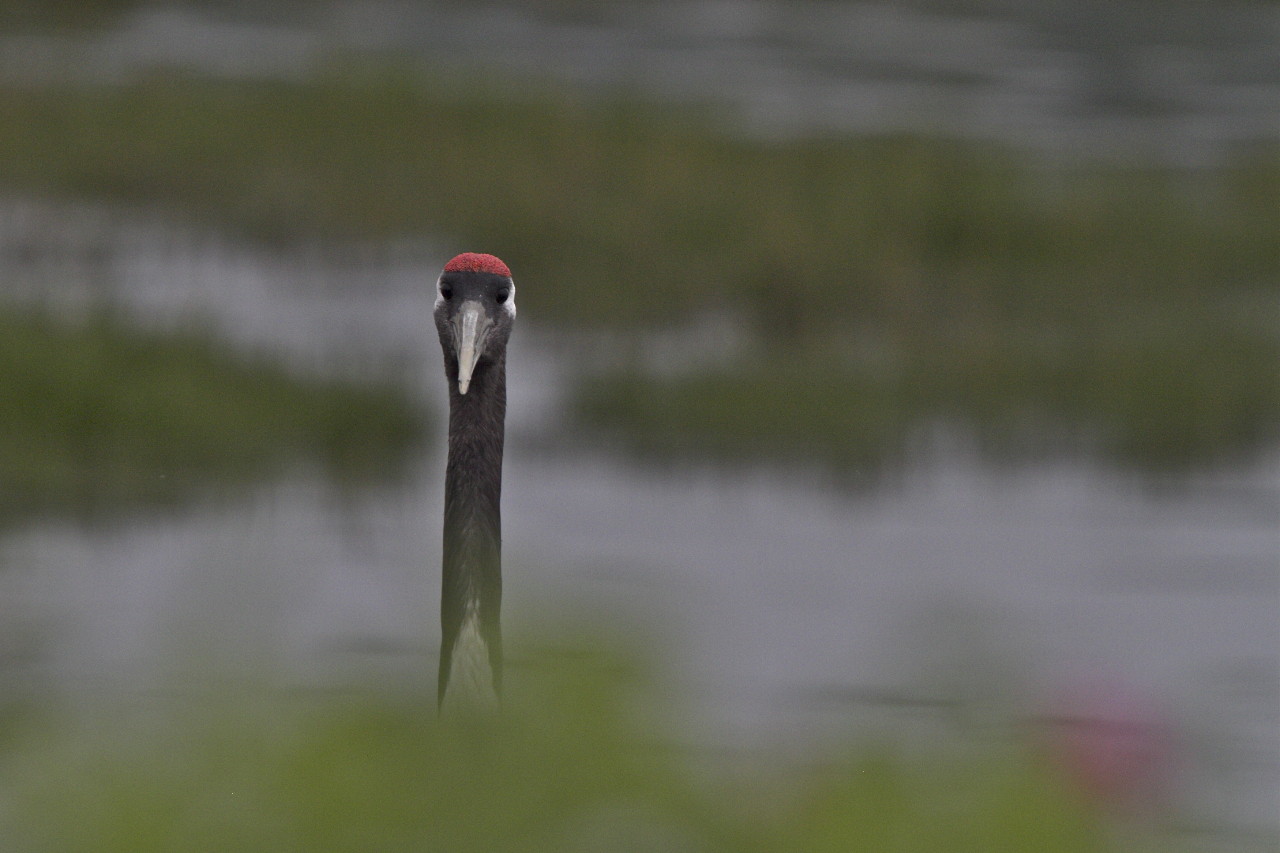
[471, 595]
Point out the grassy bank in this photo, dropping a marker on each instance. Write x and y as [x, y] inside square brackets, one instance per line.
[861, 268]
[97, 417]
[568, 766]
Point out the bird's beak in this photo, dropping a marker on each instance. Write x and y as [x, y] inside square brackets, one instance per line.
[470, 329]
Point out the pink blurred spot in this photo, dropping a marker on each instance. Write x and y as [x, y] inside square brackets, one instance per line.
[1113, 744]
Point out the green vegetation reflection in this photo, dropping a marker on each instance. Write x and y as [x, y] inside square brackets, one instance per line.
[1147, 400]
[98, 416]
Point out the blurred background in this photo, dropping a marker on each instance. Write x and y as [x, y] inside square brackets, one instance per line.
[893, 445]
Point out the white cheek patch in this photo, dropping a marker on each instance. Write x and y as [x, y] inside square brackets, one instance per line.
[439, 295]
[510, 305]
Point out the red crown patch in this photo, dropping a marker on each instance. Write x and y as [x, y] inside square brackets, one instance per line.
[476, 262]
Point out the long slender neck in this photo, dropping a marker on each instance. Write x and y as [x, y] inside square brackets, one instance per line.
[471, 596]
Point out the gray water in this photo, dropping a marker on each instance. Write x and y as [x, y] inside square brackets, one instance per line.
[1181, 82]
[781, 610]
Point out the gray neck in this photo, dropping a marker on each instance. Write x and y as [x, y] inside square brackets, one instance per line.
[471, 595]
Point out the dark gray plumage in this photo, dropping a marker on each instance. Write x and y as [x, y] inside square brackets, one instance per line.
[474, 315]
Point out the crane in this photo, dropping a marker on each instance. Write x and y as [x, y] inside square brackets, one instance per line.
[475, 310]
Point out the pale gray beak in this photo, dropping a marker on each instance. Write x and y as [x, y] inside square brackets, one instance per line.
[470, 329]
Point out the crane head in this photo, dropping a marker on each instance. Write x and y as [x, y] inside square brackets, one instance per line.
[474, 312]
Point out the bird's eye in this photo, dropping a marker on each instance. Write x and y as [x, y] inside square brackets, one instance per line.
[446, 291]
[502, 295]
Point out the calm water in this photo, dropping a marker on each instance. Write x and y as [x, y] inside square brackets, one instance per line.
[782, 609]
